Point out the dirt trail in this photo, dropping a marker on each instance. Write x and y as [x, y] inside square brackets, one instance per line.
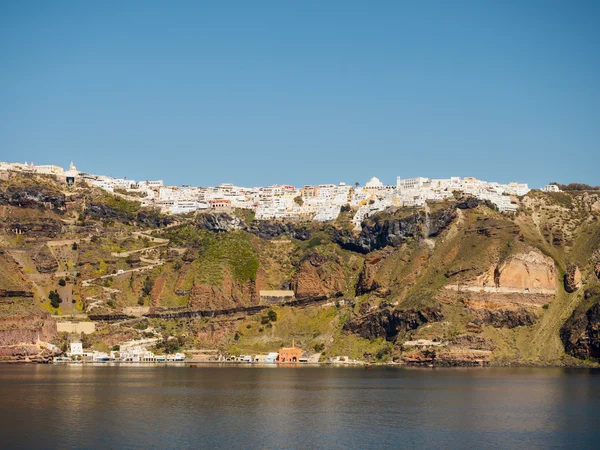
[152, 263]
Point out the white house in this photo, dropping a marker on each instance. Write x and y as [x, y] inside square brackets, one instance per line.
[76, 349]
[551, 188]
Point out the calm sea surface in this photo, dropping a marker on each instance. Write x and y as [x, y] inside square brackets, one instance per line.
[144, 407]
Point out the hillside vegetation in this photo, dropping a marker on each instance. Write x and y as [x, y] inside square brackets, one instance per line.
[463, 284]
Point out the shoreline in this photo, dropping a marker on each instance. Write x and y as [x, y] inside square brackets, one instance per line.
[363, 365]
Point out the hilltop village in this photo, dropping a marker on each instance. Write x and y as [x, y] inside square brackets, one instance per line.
[453, 271]
[321, 203]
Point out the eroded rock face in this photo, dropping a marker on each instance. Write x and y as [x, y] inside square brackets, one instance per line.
[153, 218]
[102, 211]
[595, 262]
[581, 332]
[44, 261]
[472, 342]
[40, 228]
[572, 280]
[22, 322]
[506, 318]
[32, 197]
[318, 277]
[468, 203]
[388, 323]
[143, 217]
[264, 229]
[366, 279]
[268, 230]
[394, 231]
[531, 272]
[228, 294]
[22, 353]
[219, 222]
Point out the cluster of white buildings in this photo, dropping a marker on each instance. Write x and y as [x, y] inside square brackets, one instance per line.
[416, 191]
[322, 202]
[136, 354]
[68, 176]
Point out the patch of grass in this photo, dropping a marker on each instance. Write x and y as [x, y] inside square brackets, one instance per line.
[233, 250]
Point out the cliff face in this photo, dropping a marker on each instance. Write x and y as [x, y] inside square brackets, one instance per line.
[505, 318]
[264, 229]
[530, 271]
[367, 279]
[28, 326]
[23, 324]
[319, 277]
[393, 232]
[32, 194]
[581, 333]
[572, 280]
[524, 278]
[44, 261]
[460, 270]
[227, 294]
[388, 323]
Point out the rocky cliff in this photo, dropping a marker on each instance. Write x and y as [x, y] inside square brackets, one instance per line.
[388, 323]
[404, 288]
[319, 277]
[23, 324]
[378, 234]
[581, 332]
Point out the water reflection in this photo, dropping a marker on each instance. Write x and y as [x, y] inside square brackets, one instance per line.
[302, 407]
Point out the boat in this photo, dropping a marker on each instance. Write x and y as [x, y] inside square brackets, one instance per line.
[61, 359]
[101, 358]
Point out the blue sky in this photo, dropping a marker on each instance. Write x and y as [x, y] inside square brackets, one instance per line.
[257, 93]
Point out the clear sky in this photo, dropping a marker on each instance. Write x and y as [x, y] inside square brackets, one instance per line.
[256, 93]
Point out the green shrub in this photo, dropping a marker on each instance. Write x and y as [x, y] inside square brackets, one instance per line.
[55, 299]
[148, 285]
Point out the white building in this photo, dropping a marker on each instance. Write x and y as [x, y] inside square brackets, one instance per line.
[76, 349]
[49, 170]
[411, 183]
[551, 188]
[326, 213]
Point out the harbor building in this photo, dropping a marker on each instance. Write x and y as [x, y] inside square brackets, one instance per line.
[290, 354]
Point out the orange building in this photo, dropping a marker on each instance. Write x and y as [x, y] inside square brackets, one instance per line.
[290, 354]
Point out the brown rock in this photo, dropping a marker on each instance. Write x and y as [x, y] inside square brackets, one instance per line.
[366, 279]
[595, 260]
[228, 294]
[524, 271]
[388, 323]
[572, 278]
[28, 327]
[318, 276]
[44, 261]
[506, 318]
